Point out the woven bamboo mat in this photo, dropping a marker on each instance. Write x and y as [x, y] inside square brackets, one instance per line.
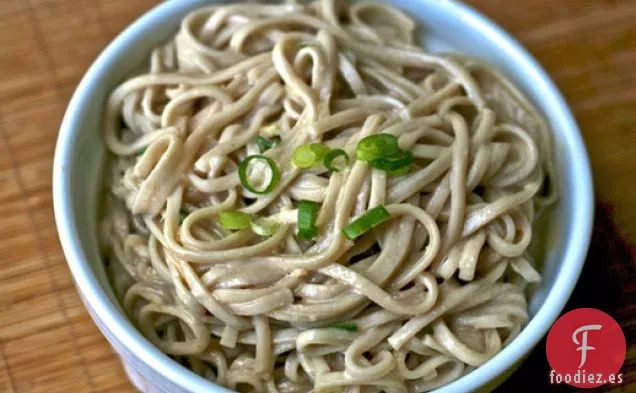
[48, 342]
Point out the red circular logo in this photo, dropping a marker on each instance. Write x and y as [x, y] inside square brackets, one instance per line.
[586, 348]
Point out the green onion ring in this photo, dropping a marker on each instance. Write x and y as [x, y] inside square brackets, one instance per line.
[272, 166]
[234, 220]
[307, 215]
[308, 155]
[350, 326]
[394, 162]
[265, 144]
[366, 222]
[332, 155]
[377, 146]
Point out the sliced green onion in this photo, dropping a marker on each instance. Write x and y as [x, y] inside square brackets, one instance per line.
[234, 220]
[182, 215]
[377, 146]
[273, 182]
[307, 215]
[397, 161]
[265, 144]
[350, 326]
[366, 222]
[308, 155]
[334, 154]
[400, 172]
[264, 226]
[307, 234]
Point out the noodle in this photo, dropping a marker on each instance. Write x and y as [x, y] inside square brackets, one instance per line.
[406, 305]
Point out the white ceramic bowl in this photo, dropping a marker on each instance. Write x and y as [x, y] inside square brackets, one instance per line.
[447, 25]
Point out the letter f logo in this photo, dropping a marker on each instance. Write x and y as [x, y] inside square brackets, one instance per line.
[583, 344]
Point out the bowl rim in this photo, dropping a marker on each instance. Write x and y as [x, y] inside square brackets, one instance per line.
[96, 298]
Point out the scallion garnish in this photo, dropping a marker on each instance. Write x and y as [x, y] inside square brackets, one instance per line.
[377, 146]
[400, 172]
[366, 222]
[350, 326]
[401, 159]
[265, 144]
[182, 215]
[332, 156]
[234, 220]
[274, 179]
[308, 155]
[307, 215]
[264, 226]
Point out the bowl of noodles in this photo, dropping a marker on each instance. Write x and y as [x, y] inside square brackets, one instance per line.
[321, 197]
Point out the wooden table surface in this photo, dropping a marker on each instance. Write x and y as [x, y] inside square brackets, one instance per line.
[48, 343]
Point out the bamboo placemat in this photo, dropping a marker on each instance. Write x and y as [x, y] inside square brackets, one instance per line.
[48, 343]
